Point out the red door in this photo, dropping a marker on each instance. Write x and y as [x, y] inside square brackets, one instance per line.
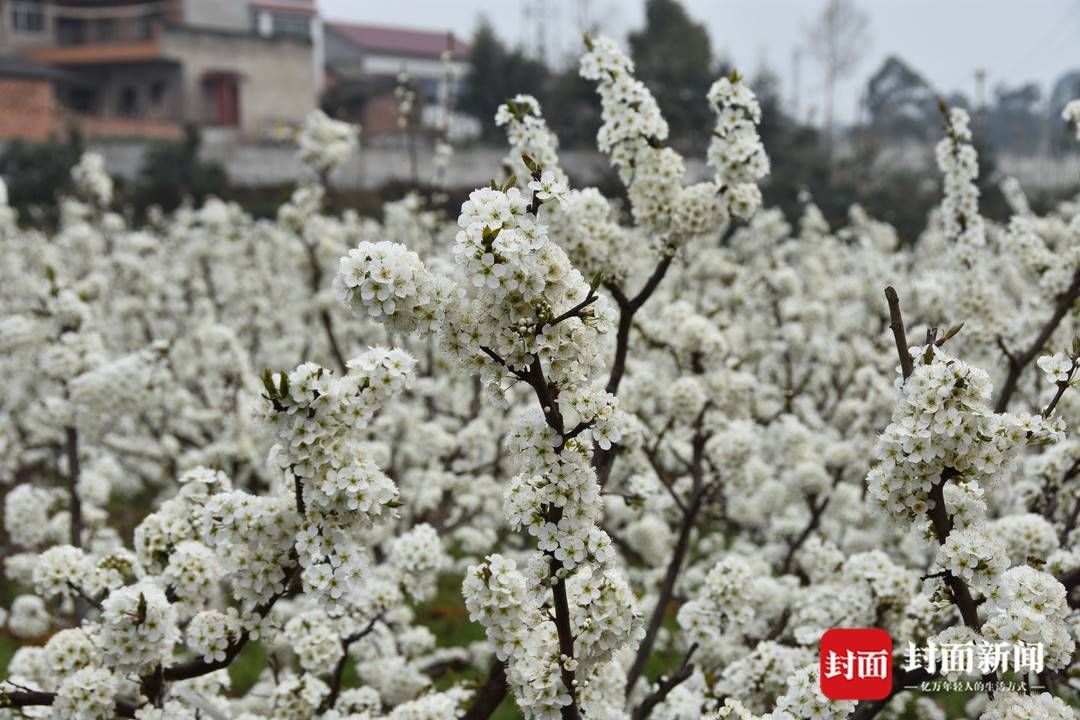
[224, 92]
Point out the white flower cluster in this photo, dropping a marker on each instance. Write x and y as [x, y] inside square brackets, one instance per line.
[731, 710]
[391, 284]
[314, 637]
[210, 633]
[1028, 606]
[63, 570]
[582, 222]
[942, 421]
[525, 281]
[727, 603]
[496, 596]
[87, 694]
[1071, 115]
[736, 153]
[1010, 705]
[1058, 367]
[138, 626]
[338, 487]
[959, 166]
[632, 133]
[974, 555]
[121, 385]
[419, 556]
[528, 134]
[70, 650]
[26, 514]
[326, 143]
[193, 573]
[603, 619]
[252, 536]
[563, 482]
[804, 699]
[298, 697]
[92, 181]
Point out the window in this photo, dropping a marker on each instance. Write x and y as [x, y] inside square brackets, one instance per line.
[82, 99]
[157, 93]
[292, 25]
[128, 101]
[28, 16]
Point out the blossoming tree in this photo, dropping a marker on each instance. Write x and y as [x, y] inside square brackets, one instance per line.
[659, 446]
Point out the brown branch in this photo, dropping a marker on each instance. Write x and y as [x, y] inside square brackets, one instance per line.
[678, 556]
[961, 595]
[199, 667]
[566, 641]
[490, 695]
[71, 447]
[665, 686]
[1062, 386]
[499, 360]
[575, 311]
[37, 698]
[816, 511]
[325, 319]
[628, 307]
[86, 598]
[896, 322]
[547, 398]
[1019, 361]
[339, 669]
[943, 525]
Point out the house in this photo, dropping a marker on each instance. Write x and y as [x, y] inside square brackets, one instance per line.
[143, 68]
[363, 63]
[28, 106]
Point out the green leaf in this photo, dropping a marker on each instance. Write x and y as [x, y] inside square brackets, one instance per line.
[597, 278]
[268, 382]
[950, 333]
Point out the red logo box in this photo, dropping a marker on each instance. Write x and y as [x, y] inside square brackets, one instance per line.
[856, 664]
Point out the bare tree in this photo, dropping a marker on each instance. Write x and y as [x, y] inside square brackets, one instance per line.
[838, 39]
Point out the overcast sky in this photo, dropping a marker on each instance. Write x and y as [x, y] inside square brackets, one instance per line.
[1015, 41]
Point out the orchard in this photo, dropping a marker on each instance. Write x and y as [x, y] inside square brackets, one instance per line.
[559, 457]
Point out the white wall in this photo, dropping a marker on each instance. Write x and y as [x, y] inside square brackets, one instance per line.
[225, 14]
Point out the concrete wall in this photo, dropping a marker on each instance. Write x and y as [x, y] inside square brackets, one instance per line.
[224, 14]
[267, 164]
[275, 87]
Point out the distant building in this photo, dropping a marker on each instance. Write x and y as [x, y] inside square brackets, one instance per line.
[142, 68]
[363, 63]
[28, 105]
